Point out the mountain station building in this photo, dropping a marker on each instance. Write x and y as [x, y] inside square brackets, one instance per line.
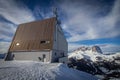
[39, 41]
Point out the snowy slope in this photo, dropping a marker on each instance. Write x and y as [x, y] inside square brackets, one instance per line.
[29, 70]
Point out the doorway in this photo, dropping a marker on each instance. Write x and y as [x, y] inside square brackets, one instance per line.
[44, 58]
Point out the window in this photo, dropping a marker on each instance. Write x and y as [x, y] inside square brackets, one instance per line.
[62, 54]
[47, 41]
[44, 42]
[13, 56]
[44, 56]
[55, 54]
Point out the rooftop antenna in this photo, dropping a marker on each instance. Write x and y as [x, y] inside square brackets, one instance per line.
[56, 14]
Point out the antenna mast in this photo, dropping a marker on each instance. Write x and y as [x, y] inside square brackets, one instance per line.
[56, 14]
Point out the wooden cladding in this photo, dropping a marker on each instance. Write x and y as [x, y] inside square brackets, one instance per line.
[28, 36]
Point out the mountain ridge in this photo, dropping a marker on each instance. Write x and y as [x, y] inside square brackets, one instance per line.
[96, 62]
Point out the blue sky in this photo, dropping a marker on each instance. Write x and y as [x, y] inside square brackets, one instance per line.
[84, 22]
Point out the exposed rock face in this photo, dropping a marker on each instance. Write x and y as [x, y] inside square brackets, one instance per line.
[96, 49]
[93, 49]
[105, 70]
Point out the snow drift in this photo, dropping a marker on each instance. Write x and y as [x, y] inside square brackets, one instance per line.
[29, 70]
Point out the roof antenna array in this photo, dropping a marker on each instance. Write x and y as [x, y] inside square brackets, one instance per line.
[56, 15]
[55, 12]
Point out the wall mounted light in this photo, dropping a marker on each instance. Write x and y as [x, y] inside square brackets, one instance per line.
[17, 44]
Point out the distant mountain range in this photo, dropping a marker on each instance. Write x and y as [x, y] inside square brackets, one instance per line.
[94, 61]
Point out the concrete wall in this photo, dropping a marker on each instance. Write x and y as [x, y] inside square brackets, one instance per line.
[56, 54]
[60, 46]
[63, 60]
[34, 56]
[60, 43]
[61, 40]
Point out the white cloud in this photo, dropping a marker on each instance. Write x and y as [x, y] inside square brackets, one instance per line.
[110, 47]
[42, 12]
[4, 47]
[82, 25]
[15, 12]
[73, 46]
[104, 47]
[6, 31]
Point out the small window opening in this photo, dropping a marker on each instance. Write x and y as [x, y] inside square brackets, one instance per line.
[63, 55]
[55, 54]
[44, 56]
[44, 42]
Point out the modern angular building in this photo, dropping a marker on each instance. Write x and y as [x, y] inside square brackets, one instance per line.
[39, 41]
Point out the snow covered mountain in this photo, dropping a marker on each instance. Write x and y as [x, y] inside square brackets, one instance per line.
[29, 70]
[94, 61]
[92, 53]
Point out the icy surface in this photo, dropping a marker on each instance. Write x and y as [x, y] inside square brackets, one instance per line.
[29, 70]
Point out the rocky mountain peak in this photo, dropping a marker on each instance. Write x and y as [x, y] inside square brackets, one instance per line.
[96, 49]
[93, 49]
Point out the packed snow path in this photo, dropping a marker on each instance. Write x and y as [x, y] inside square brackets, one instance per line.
[29, 70]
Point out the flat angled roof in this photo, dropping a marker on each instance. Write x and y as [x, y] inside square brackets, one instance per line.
[32, 36]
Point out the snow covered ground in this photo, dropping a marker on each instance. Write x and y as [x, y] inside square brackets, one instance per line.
[29, 70]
